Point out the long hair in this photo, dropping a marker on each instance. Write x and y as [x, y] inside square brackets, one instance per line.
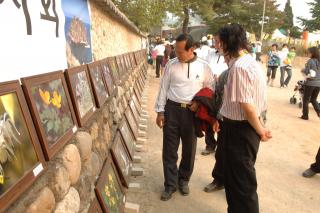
[233, 38]
[314, 51]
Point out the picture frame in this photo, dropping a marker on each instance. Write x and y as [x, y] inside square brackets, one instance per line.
[134, 111]
[95, 206]
[80, 88]
[51, 109]
[128, 61]
[133, 62]
[124, 64]
[120, 66]
[100, 90]
[122, 159]
[114, 68]
[132, 122]
[21, 166]
[136, 102]
[137, 92]
[109, 191]
[107, 77]
[128, 137]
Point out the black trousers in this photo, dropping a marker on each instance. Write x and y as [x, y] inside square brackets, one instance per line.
[218, 169]
[316, 166]
[272, 71]
[211, 142]
[159, 60]
[178, 124]
[241, 147]
[310, 94]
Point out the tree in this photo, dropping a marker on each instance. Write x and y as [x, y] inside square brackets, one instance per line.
[145, 14]
[288, 17]
[314, 23]
[248, 13]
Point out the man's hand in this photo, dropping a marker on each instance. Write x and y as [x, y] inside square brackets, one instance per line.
[160, 119]
[265, 135]
[216, 127]
[194, 106]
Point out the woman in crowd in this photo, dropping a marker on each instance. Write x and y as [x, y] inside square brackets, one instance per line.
[273, 64]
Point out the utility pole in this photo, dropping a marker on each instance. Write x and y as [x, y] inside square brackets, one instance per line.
[263, 16]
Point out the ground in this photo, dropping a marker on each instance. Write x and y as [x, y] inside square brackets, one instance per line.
[279, 165]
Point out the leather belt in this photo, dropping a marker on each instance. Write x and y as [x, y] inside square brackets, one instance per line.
[182, 105]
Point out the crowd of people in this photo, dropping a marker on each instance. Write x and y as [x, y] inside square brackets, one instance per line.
[219, 87]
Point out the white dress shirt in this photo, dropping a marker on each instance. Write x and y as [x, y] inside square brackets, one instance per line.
[216, 62]
[159, 49]
[181, 81]
[204, 51]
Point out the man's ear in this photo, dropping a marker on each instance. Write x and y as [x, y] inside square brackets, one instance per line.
[192, 49]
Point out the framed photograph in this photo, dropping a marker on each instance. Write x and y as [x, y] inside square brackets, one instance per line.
[132, 122]
[134, 110]
[127, 136]
[95, 207]
[121, 158]
[127, 57]
[109, 190]
[124, 64]
[136, 102]
[97, 82]
[120, 66]
[21, 157]
[81, 93]
[133, 62]
[138, 86]
[114, 68]
[107, 77]
[51, 109]
[137, 92]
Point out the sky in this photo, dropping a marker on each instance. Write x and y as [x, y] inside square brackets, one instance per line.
[299, 8]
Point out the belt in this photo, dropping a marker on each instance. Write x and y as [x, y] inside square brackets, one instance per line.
[227, 120]
[182, 105]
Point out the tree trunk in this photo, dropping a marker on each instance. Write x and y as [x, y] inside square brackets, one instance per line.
[185, 20]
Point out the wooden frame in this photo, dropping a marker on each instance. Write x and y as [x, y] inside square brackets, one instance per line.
[124, 64]
[132, 122]
[51, 109]
[133, 62]
[95, 206]
[115, 73]
[121, 158]
[19, 120]
[81, 94]
[99, 87]
[107, 77]
[134, 111]
[137, 92]
[128, 61]
[120, 67]
[128, 137]
[109, 190]
[136, 102]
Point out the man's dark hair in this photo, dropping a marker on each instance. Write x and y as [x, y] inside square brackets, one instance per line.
[285, 45]
[292, 48]
[274, 45]
[234, 38]
[188, 38]
[314, 51]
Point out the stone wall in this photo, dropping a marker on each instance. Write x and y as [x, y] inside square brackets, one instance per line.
[109, 37]
[67, 184]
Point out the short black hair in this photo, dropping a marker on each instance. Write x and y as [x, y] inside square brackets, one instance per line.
[314, 51]
[292, 48]
[285, 45]
[188, 38]
[234, 38]
[274, 45]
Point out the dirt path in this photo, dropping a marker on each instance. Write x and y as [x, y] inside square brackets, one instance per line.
[279, 165]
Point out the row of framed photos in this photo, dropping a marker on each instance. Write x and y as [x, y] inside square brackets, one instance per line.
[114, 177]
[38, 118]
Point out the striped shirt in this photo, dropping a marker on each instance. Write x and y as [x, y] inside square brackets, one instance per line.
[246, 84]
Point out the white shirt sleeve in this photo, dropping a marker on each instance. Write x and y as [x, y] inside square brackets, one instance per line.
[208, 78]
[164, 86]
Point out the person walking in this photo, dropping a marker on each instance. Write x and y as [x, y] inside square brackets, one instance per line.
[159, 50]
[218, 65]
[283, 55]
[312, 83]
[273, 64]
[314, 168]
[258, 51]
[288, 68]
[244, 100]
[184, 76]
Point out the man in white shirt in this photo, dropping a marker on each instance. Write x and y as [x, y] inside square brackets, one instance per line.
[159, 49]
[184, 76]
[204, 48]
[217, 65]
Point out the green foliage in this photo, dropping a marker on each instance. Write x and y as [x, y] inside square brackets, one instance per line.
[288, 17]
[248, 13]
[145, 14]
[314, 23]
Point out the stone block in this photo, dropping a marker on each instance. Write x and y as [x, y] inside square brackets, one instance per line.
[141, 141]
[44, 203]
[131, 208]
[137, 171]
[143, 127]
[84, 144]
[143, 121]
[59, 181]
[137, 159]
[139, 148]
[70, 203]
[142, 134]
[72, 162]
[94, 130]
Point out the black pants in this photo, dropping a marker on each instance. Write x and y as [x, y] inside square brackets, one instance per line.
[316, 166]
[283, 71]
[272, 71]
[310, 94]
[178, 124]
[211, 142]
[159, 60]
[241, 147]
[218, 171]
